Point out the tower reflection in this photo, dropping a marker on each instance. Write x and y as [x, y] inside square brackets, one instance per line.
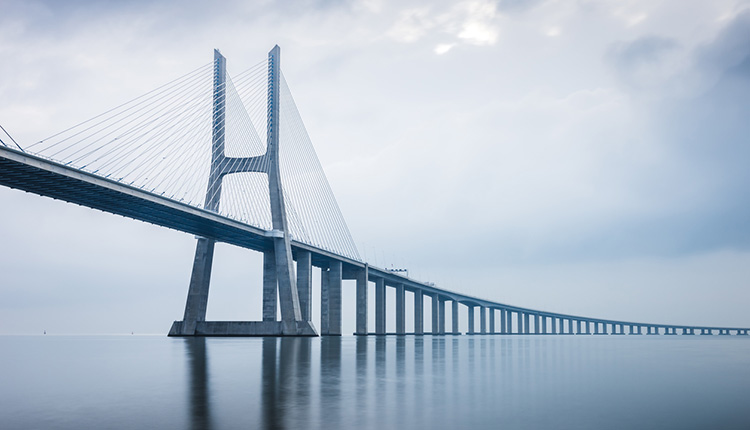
[200, 403]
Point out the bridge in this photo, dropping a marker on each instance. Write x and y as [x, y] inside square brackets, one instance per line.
[189, 156]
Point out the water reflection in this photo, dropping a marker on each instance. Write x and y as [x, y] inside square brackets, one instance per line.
[200, 403]
[431, 381]
[286, 371]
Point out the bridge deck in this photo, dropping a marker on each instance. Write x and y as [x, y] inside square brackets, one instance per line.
[38, 175]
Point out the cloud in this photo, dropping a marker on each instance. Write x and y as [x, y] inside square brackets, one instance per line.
[443, 48]
[511, 6]
[412, 25]
[469, 22]
[647, 62]
[478, 26]
[697, 108]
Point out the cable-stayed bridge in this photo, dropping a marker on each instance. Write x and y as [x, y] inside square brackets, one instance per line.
[227, 158]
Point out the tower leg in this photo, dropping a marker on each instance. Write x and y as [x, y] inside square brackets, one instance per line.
[270, 295]
[197, 299]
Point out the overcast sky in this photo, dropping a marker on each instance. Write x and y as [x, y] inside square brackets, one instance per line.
[585, 157]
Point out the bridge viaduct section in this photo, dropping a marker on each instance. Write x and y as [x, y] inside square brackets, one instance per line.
[37, 175]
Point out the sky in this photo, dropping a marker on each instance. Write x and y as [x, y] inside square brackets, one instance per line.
[583, 157]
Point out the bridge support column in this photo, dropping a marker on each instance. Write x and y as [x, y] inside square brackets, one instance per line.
[418, 312]
[270, 286]
[526, 324]
[470, 308]
[454, 317]
[435, 315]
[509, 322]
[537, 324]
[483, 320]
[324, 303]
[503, 322]
[400, 309]
[379, 306]
[553, 325]
[197, 299]
[492, 320]
[519, 322]
[333, 299]
[441, 315]
[304, 283]
[362, 277]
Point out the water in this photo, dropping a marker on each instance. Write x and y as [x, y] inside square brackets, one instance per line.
[516, 382]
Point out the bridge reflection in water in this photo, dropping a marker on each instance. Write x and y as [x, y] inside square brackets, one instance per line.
[480, 381]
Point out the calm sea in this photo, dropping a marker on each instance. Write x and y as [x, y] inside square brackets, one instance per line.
[471, 382]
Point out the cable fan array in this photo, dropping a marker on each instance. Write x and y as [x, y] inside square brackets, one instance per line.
[160, 142]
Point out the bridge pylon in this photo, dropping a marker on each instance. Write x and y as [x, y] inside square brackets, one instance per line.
[279, 280]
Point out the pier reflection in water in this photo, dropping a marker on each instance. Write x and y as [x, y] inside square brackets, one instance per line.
[479, 381]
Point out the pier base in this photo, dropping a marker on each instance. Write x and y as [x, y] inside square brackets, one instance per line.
[245, 328]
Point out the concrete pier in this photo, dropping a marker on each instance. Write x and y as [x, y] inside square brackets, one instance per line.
[470, 309]
[418, 312]
[492, 320]
[435, 315]
[334, 298]
[324, 303]
[441, 315]
[304, 284]
[400, 309]
[246, 328]
[454, 315]
[380, 306]
[482, 320]
[509, 321]
[519, 322]
[362, 280]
